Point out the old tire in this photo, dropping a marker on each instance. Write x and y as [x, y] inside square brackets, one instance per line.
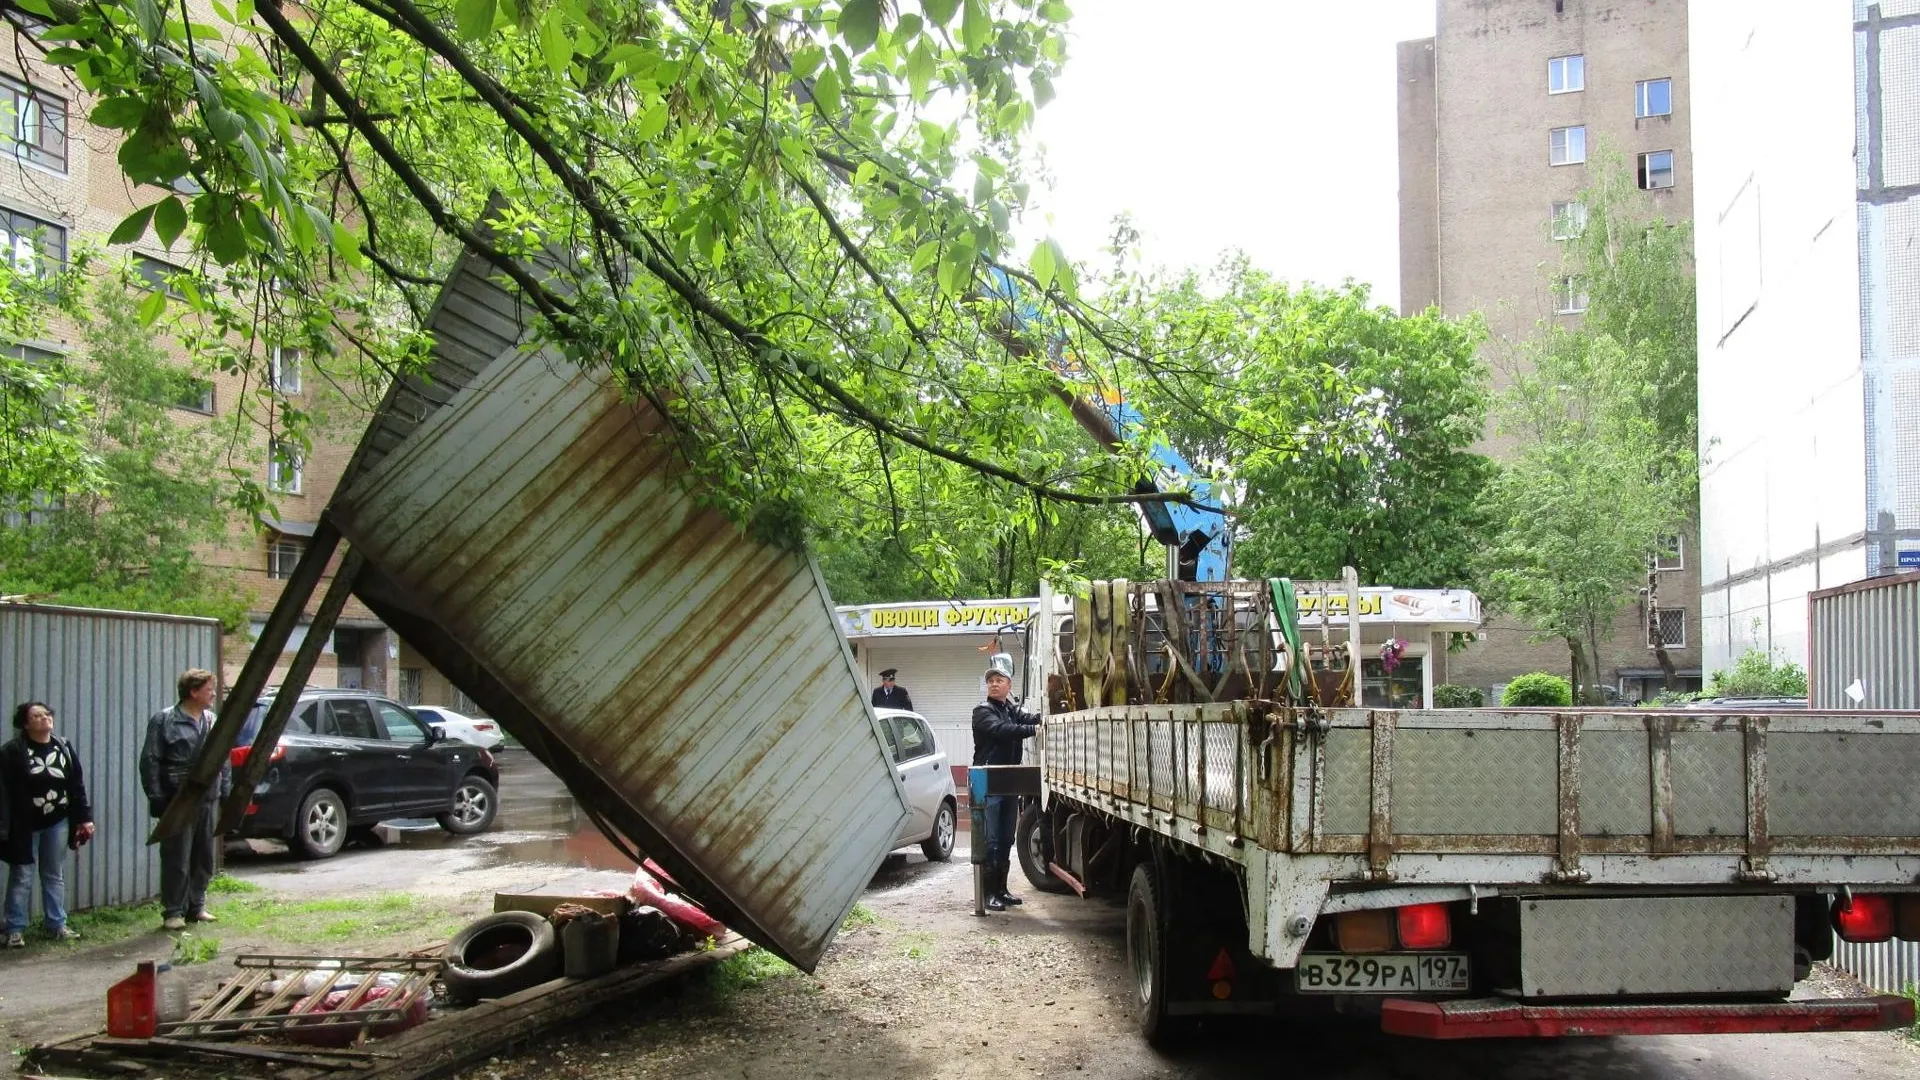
[1149, 924]
[320, 827]
[501, 954]
[475, 802]
[1035, 849]
[939, 846]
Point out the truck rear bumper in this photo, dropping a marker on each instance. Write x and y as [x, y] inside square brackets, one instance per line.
[1498, 1018]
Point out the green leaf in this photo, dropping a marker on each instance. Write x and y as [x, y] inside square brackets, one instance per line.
[652, 122]
[940, 11]
[976, 25]
[1054, 11]
[982, 188]
[826, 92]
[154, 306]
[132, 228]
[224, 236]
[348, 245]
[474, 18]
[908, 27]
[859, 24]
[806, 60]
[1041, 263]
[1042, 88]
[243, 11]
[555, 44]
[924, 255]
[169, 219]
[124, 113]
[866, 171]
[956, 268]
[920, 69]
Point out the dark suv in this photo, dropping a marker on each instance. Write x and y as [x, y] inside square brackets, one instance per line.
[350, 759]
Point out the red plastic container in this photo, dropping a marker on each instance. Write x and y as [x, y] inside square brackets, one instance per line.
[131, 1008]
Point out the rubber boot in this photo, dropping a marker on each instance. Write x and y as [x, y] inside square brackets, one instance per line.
[992, 889]
[1007, 899]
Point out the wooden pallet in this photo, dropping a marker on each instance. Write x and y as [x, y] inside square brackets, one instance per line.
[237, 1008]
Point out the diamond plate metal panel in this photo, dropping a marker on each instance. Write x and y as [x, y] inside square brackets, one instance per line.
[1709, 784]
[1615, 792]
[1656, 945]
[1349, 776]
[1843, 785]
[1478, 782]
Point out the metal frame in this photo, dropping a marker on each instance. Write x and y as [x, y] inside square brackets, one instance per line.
[232, 1010]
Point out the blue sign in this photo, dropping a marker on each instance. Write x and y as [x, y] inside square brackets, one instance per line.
[1910, 557]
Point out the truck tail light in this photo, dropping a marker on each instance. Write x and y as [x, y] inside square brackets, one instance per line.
[1221, 976]
[1363, 931]
[1867, 919]
[1906, 917]
[1425, 926]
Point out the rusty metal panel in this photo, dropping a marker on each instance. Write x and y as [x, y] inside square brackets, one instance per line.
[1867, 632]
[696, 679]
[1843, 785]
[104, 673]
[1488, 781]
[1709, 783]
[1615, 789]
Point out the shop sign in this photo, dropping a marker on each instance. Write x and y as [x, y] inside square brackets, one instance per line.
[965, 617]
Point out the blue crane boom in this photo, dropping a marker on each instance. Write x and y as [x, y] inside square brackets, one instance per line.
[1195, 533]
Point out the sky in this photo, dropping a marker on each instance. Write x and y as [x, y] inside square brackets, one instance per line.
[1266, 125]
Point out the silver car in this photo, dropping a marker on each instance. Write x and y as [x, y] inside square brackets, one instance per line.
[923, 770]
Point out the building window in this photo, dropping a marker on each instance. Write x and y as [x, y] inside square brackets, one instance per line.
[1656, 170]
[34, 246]
[283, 554]
[283, 467]
[1653, 98]
[1570, 296]
[1566, 74]
[194, 395]
[157, 276]
[1569, 220]
[1567, 146]
[412, 685]
[1668, 554]
[1671, 626]
[286, 369]
[36, 124]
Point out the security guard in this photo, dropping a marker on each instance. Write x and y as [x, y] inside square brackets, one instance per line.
[999, 727]
[889, 696]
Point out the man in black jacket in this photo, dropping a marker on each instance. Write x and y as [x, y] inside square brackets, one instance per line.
[999, 727]
[889, 696]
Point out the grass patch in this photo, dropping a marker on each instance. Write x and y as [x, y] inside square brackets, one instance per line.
[110, 924]
[244, 908]
[919, 945]
[231, 886]
[860, 916]
[192, 949]
[742, 972]
[1912, 993]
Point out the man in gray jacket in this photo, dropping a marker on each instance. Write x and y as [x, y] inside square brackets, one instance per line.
[173, 740]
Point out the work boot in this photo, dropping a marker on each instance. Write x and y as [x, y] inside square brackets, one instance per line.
[1007, 899]
[991, 886]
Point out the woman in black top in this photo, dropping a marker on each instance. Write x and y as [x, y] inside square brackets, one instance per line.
[47, 813]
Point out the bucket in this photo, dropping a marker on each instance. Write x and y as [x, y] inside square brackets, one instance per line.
[589, 945]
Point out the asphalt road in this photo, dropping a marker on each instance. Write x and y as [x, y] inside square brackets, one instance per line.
[539, 840]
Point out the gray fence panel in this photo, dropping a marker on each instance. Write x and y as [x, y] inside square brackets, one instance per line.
[1890, 967]
[1868, 631]
[104, 673]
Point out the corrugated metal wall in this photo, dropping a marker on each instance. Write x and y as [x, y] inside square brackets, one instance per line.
[1890, 967]
[1870, 632]
[104, 673]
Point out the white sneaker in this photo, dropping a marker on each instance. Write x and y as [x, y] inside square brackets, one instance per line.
[174, 922]
[16, 941]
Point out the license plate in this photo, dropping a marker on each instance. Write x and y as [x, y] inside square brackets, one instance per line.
[1382, 973]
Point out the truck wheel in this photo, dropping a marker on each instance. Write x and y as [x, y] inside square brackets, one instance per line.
[1033, 844]
[1148, 926]
[320, 828]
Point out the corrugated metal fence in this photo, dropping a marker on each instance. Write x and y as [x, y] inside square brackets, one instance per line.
[104, 673]
[1869, 632]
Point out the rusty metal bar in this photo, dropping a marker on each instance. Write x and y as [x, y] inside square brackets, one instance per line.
[1759, 845]
[1380, 794]
[1568, 849]
[1317, 810]
[1200, 800]
[1660, 781]
[1242, 746]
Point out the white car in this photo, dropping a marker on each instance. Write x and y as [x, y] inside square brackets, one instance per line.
[922, 767]
[451, 725]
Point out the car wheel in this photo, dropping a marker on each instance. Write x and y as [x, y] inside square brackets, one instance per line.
[500, 954]
[320, 828]
[1033, 846]
[939, 846]
[474, 804]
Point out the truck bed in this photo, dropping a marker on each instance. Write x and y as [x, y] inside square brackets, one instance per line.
[1316, 805]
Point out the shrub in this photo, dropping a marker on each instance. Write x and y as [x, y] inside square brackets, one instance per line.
[1537, 688]
[1756, 675]
[1452, 696]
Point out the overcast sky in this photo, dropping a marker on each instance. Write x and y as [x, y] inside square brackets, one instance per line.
[1266, 125]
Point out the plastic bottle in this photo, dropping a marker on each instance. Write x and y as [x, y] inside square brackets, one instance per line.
[131, 1006]
[170, 995]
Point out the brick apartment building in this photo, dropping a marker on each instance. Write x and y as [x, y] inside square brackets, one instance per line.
[1501, 114]
[61, 187]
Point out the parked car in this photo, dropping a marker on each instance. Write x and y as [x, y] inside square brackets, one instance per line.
[1748, 704]
[484, 734]
[923, 771]
[350, 759]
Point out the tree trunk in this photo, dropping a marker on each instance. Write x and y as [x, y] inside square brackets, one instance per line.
[1595, 695]
[1575, 662]
[1670, 681]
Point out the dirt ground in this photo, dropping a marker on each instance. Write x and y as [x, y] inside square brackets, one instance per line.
[929, 991]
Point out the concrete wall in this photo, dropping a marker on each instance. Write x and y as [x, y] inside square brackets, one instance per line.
[1783, 502]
